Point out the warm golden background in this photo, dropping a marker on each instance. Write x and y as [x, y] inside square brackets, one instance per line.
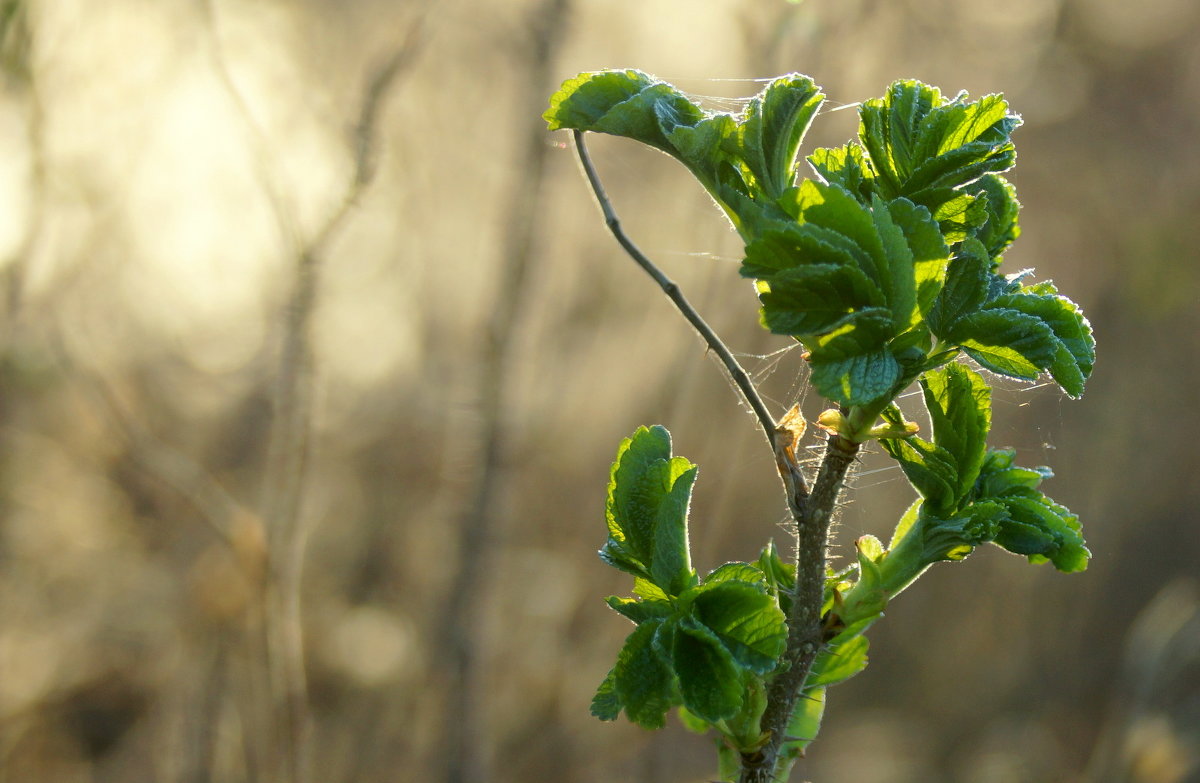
[234, 233]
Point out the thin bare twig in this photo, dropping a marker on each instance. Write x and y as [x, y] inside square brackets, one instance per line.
[740, 379]
[463, 742]
[218, 508]
[290, 446]
[289, 449]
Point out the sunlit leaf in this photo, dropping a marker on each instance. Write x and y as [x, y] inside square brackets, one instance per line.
[642, 681]
[710, 682]
[647, 507]
[838, 663]
[960, 409]
[746, 619]
[1007, 342]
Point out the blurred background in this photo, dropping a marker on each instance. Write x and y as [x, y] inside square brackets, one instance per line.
[315, 352]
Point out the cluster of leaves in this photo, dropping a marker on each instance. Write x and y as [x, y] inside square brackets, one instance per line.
[704, 645]
[969, 495]
[885, 266]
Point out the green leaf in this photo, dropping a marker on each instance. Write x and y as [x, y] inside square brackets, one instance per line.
[1001, 228]
[692, 722]
[852, 365]
[1007, 342]
[737, 572]
[1000, 477]
[745, 619]
[1075, 348]
[780, 576]
[923, 538]
[606, 705]
[702, 147]
[778, 573]
[866, 600]
[897, 271]
[958, 215]
[815, 299]
[844, 221]
[646, 511]
[671, 565]
[642, 681]
[622, 103]
[931, 469]
[905, 524]
[838, 663]
[745, 162]
[644, 588]
[1033, 524]
[925, 147]
[629, 526]
[805, 723]
[889, 127]
[1066, 549]
[955, 537]
[774, 123]
[846, 167]
[710, 682]
[1024, 538]
[930, 255]
[787, 245]
[965, 289]
[959, 402]
[640, 611]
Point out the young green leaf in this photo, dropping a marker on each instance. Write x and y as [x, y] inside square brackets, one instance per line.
[958, 214]
[646, 511]
[639, 611]
[814, 299]
[930, 254]
[932, 470]
[710, 682]
[625, 103]
[606, 705]
[844, 220]
[671, 562]
[745, 618]
[999, 476]
[959, 402]
[838, 663]
[1033, 524]
[925, 147]
[852, 365]
[789, 245]
[846, 167]
[965, 289]
[1007, 342]
[1075, 348]
[805, 722]
[737, 572]
[745, 162]
[1001, 228]
[774, 123]
[642, 681]
[898, 280]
